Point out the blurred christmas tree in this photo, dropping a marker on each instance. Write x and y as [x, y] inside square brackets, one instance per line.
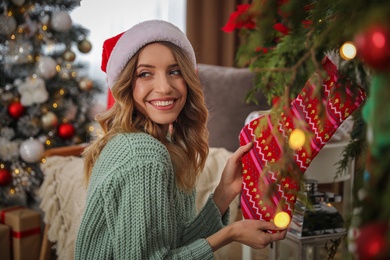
[45, 101]
[284, 42]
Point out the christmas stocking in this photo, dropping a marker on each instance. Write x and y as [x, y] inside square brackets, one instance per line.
[266, 191]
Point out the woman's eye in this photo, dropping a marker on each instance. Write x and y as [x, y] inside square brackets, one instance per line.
[175, 72]
[143, 74]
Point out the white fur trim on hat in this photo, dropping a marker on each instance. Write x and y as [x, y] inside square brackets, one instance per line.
[140, 35]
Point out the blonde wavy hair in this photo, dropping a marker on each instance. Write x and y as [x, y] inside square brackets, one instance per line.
[188, 147]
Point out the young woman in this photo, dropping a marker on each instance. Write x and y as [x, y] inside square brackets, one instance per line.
[142, 172]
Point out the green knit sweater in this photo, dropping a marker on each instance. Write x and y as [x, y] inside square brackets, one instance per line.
[134, 209]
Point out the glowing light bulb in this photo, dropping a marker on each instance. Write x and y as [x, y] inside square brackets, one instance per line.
[348, 51]
[297, 139]
[282, 219]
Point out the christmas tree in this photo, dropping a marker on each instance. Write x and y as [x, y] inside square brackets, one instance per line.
[284, 43]
[45, 98]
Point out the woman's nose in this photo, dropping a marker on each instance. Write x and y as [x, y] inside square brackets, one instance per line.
[163, 84]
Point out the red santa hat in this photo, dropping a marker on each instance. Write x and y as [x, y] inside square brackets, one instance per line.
[118, 50]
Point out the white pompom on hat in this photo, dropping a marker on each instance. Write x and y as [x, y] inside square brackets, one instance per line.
[118, 50]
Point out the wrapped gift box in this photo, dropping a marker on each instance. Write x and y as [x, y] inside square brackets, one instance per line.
[25, 225]
[5, 245]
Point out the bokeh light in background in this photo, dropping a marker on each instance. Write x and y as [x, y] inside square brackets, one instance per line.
[348, 51]
[297, 139]
[105, 19]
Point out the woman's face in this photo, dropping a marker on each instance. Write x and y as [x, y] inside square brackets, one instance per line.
[159, 90]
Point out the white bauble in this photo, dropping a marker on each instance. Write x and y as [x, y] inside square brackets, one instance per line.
[31, 150]
[61, 21]
[85, 84]
[46, 67]
[49, 120]
[45, 19]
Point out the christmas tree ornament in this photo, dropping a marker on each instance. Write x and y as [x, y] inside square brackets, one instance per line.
[33, 91]
[266, 188]
[7, 132]
[372, 240]
[28, 125]
[46, 67]
[66, 131]
[61, 21]
[69, 55]
[5, 176]
[18, 2]
[31, 150]
[85, 84]
[373, 45]
[7, 24]
[49, 120]
[84, 46]
[44, 19]
[9, 150]
[16, 109]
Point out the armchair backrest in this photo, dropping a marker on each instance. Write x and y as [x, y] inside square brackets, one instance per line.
[225, 89]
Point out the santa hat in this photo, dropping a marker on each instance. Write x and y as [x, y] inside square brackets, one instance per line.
[118, 50]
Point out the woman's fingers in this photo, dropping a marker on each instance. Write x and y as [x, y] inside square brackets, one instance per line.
[237, 155]
[255, 233]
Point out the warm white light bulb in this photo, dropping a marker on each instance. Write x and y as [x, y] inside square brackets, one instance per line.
[297, 139]
[348, 51]
[282, 219]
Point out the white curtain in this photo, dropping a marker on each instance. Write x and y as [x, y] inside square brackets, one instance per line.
[105, 19]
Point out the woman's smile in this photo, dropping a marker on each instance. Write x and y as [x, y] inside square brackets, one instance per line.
[163, 104]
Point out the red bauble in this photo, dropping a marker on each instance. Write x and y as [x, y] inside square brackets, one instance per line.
[66, 131]
[15, 109]
[372, 241]
[373, 46]
[5, 177]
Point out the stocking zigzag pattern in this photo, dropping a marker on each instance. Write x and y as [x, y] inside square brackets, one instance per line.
[267, 150]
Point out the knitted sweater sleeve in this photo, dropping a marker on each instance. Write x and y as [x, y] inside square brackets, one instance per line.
[206, 223]
[129, 212]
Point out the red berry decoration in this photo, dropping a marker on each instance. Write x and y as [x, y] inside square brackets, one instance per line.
[373, 45]
[5, 177]
[66, 131]
[372, 241]
[15, 109]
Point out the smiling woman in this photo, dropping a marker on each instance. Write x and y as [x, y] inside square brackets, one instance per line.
[141, 176]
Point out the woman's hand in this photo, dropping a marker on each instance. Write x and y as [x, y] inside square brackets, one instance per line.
[231, 180]
[253, 233]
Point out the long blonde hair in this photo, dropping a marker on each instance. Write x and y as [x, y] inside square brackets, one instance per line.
[189, 143]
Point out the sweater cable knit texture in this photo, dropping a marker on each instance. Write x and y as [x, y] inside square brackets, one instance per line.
[135, 210]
